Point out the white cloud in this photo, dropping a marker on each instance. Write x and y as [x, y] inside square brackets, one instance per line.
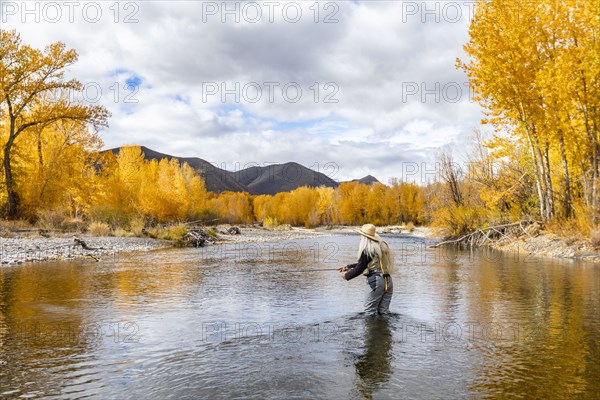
[376, 56]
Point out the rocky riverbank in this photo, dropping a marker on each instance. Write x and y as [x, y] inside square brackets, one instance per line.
[35, 249]
[18, 250]
[529, 238]
[550, 245]
[257, 234]
[286, 232]
[28, 248]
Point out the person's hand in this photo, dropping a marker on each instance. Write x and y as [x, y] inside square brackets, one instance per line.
[343, 269]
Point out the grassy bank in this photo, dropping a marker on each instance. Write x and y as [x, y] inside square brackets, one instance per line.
[72, 226]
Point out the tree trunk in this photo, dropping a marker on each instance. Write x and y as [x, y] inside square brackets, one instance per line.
[567, 199]
[39, 148]
[538, 177]
[549, 185]
[543, 177]
[592, 195]
[12, 210]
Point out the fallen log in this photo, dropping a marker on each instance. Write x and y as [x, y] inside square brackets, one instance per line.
[198, 238]
[84, 245]
[232, 230]
[482, 236]
[202, 222]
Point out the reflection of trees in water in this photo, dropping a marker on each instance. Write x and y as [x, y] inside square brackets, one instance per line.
[46, 326]
[373, 367]
[547, 315]
[41, 327]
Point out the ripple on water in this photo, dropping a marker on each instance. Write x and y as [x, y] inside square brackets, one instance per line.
[232, 325]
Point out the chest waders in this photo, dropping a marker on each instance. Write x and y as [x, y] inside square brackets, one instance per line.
[377, 262]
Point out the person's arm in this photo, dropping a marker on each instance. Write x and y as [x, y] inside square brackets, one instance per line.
[357, 269]
[347, 267]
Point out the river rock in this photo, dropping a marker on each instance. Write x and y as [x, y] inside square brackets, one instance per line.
[234, 230]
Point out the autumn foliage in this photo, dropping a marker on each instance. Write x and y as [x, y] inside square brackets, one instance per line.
[351, 203]
[533, 66]
[162, 191]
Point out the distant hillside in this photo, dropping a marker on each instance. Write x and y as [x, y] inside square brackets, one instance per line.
[367, 180]
[277, 178]
[271, 179]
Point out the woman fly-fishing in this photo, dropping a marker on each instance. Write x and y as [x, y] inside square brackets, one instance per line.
[375, 262]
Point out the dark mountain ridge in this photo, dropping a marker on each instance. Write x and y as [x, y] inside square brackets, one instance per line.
[367, 180]
[278, 178]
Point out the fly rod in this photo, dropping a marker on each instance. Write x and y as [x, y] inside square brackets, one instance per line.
[306, 270]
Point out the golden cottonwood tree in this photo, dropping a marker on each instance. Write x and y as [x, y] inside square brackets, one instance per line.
[28, 77]
[56, 169]
[351, 203]
[534, 67]
[327, 210]
[160, 191]
[233, 207]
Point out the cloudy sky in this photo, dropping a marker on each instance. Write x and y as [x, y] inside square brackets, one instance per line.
[368, 86]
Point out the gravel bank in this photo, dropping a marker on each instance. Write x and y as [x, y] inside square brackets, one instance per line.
[257, 235]
[36, 249]
[550, 245]
[254, 234]
[383, 230]
[31, 249]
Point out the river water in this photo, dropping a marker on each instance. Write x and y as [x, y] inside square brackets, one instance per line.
[250, 321]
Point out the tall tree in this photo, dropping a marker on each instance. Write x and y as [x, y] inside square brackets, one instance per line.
[535, 68]
[28, 79]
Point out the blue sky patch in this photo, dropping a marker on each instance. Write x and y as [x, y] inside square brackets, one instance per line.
[133, 82]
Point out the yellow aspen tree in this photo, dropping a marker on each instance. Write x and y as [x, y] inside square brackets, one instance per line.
[28, 76]
[196, 192]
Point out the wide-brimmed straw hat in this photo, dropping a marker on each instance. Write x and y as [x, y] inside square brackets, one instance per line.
[368, 230]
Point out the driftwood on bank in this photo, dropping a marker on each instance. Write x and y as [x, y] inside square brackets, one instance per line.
[84, 245]
[232, 230]
[198, 238]
[484, 236]
[201, 222]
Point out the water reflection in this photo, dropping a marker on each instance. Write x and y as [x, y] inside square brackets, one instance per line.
[542, 334]
[467, 325]
[45, 330]
[374, 365]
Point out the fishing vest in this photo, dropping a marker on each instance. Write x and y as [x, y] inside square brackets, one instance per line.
[383, 267]
[372, 266]
[376, 264]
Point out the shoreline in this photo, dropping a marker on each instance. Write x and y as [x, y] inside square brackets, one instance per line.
[20, 250]
[258, 234]
[33, 249]
[549, 245]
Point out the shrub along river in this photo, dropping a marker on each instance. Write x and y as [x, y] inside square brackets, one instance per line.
[251, 321]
